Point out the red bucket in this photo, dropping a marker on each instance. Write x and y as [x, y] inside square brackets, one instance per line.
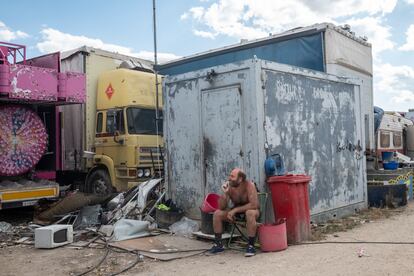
[211, 203]
[272, 237]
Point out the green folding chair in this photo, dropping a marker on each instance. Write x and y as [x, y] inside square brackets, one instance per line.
[235, 226]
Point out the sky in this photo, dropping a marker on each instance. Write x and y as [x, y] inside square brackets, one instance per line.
[186, 27]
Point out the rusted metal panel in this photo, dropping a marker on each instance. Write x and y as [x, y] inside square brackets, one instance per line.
[222, 132]
[200, 155]
[234, 115]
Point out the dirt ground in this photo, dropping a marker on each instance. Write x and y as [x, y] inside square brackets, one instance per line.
[316, 259]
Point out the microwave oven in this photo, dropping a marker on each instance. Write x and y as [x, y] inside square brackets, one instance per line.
[53, 236]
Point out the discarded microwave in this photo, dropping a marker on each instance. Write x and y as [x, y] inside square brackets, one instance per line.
[53, 236]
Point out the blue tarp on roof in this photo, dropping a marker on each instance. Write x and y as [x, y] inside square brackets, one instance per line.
[305, 51]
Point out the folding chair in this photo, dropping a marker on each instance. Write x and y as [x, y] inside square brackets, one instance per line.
[262, 197]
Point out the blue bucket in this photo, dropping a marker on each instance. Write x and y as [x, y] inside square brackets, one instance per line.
[392, 165]
[387, 155]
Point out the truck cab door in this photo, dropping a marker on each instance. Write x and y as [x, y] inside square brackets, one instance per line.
[115, 143]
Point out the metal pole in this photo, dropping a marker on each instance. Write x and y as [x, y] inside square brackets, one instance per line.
[157, 116]
[155, 63]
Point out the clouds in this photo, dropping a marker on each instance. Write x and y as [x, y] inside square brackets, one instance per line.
[204, 34]
[393, 83]
[54, 40]
[6, 34]
[256, 18]
[394, 86]
[409, 44]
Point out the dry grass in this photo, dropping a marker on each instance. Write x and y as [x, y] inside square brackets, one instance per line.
[320, 231]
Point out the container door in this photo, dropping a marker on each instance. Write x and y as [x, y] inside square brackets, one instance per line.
[222, 135]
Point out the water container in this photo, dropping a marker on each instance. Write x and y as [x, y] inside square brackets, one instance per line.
[391, 165]
[210, 203]
[387, 155]
[270, 167]
[274, 165]
[273, 237]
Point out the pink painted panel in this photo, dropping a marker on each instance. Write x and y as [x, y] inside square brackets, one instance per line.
[72, 87]
[4, 79]
[33, 83]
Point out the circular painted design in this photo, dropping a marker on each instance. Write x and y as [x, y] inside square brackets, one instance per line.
[23, 140]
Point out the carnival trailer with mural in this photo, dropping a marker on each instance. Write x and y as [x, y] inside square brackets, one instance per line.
[30, 124]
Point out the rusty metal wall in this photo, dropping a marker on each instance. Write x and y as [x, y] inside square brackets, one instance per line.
[316, 125]
[199, 155]
[305, 115]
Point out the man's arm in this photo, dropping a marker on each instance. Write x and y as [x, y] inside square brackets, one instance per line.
[253, 203]
[224, 198]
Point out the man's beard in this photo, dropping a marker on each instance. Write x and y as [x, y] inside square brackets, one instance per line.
[234, 183]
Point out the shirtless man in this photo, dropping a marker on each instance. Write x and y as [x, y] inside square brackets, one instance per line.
[243, 195]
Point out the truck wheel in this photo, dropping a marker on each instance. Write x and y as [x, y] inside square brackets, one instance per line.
[99, 183]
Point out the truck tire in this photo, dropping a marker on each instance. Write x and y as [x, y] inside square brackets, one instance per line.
[99, 182]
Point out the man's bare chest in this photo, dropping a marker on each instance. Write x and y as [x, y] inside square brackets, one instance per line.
[238, 196]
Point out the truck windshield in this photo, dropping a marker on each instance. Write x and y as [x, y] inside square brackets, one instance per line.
[142, 121]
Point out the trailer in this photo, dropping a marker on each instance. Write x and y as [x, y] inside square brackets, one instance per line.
[392, 134]
[238, 114]
[30, 123]
[321, 47]
[80, 120]
[111, 142]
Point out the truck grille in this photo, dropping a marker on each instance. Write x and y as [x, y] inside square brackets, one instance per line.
[154, 150]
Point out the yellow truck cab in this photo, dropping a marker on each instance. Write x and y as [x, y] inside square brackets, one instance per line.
[128, 145]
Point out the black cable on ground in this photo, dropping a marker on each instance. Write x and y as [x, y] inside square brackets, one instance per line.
[162, 252]
[130, 266]
[183, 257]
[98, 264]
[355, 242]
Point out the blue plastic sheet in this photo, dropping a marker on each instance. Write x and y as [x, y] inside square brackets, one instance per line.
[306, 52]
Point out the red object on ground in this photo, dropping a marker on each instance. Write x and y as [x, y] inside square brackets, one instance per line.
[211, 203]
[290, 198]
[272, 237]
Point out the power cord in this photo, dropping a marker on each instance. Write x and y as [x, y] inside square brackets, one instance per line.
[355, 242]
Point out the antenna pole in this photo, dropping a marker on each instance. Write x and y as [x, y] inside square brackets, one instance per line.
[157, 105]
[155, 63]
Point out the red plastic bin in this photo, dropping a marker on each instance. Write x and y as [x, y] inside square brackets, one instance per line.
[290, 198]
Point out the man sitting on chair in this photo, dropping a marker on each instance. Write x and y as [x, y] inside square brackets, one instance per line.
[243, 195]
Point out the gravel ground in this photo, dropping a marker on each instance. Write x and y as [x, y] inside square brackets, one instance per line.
[316, 259]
